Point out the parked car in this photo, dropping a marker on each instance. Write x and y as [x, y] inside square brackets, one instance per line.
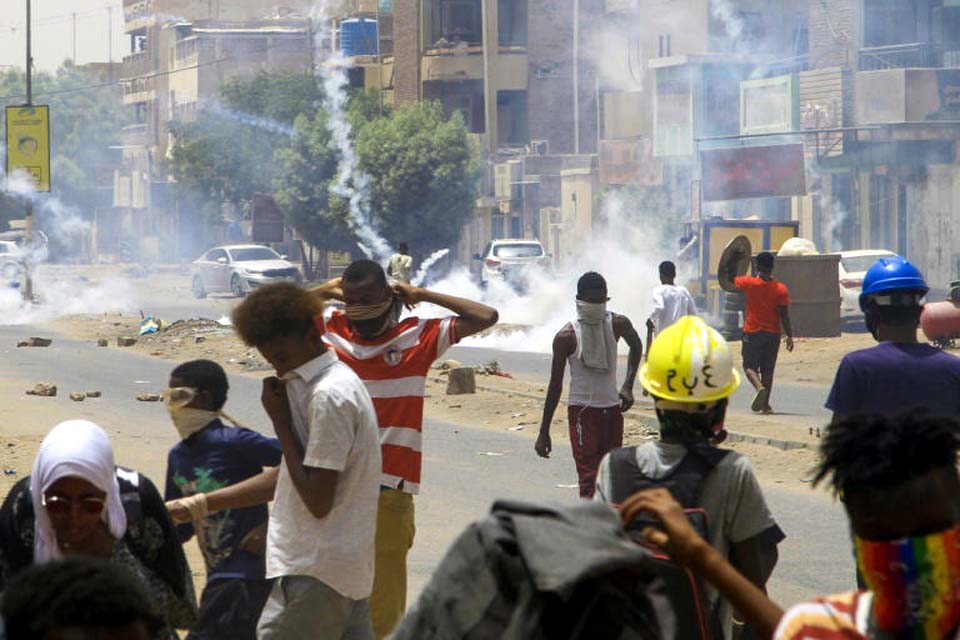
[238, 269]
[11, 262]
[853, 266]
[511, 260]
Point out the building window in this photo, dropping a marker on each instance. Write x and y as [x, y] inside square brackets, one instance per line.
[455, 21]
[512, 23]
[889, 22]
[512, 117]
[497, 226]
[516, 227]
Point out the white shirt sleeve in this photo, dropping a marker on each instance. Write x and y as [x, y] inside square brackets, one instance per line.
[690, 308]
[658, 306]
[332, 431]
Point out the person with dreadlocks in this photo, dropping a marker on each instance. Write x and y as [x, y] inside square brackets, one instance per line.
[392, 357]
[898, 482]
[898, 373]
[690, 375]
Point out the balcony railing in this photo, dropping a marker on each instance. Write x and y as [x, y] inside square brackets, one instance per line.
[785, 66]
[136, 64]
[901, 56]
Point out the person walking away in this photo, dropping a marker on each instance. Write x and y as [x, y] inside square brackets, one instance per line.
[209, 456]
[393, 357]
[322, 526]
[400, 267]
[767, 315]
[899, 373]
[595, 406]
[690, 374]
[670, 302]
[898, 481]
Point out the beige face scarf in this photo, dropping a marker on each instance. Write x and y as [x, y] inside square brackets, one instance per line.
[188, 420]
[363, 317]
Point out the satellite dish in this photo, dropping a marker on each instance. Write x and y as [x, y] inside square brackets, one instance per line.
[734, 261]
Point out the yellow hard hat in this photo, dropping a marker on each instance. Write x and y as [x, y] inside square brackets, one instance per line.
[689, 362]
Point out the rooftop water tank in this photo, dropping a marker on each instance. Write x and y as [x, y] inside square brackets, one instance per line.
[358, 37]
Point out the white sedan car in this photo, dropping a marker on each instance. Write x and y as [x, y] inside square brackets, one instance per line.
[240, 268]
[853, 266]
[11, 261]
[511, 260]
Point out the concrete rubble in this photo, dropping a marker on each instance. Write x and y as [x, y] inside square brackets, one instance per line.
[78, 397]
[149, 397]
[43, 389]
[126, 341]
[35, 342]
[461, 381]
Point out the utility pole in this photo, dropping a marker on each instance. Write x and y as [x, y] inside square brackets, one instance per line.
[28, 215]
[110, 39]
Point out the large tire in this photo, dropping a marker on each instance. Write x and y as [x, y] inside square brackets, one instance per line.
[199, 291]
[236, 288]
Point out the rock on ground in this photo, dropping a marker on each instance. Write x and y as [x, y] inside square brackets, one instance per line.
[461, 381]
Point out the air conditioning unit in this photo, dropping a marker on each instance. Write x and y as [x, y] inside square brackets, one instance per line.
[538, 147]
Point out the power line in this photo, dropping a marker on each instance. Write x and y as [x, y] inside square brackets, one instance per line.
[144, 77]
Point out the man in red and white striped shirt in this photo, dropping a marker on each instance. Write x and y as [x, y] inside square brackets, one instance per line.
[393, 357]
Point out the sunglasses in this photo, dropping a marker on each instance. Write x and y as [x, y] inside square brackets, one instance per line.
[60, 506]
[176, 397]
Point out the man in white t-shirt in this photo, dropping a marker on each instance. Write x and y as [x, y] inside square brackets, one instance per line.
[320, 542]
[670, 302]
[400, 267]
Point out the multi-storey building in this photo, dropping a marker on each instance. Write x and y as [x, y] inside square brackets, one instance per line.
[892, 179]
[181, 53]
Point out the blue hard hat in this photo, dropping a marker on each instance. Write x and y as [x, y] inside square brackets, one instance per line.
[891, 274]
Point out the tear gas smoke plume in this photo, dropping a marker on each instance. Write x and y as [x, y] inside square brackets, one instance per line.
[427, 264]
[57, 295]
[351, 183]
[626, 249]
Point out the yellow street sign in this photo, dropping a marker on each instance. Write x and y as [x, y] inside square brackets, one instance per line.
[28, 143]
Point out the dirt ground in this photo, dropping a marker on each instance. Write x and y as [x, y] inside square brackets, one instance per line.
[501, 403]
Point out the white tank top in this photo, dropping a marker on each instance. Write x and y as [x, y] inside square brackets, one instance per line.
[589, 387]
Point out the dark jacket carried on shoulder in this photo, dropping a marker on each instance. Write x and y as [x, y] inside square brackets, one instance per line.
[532, 571]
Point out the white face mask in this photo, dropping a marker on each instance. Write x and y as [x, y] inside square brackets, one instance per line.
[186, 420]
[189, 421]
[591, 312]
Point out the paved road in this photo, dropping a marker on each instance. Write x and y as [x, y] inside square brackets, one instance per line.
[460, 481]
[801, 400]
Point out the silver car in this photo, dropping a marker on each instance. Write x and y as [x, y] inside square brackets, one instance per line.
[11, 262]
[240, 268]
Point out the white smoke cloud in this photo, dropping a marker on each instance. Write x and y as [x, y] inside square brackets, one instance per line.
[351, 183]
[626, 249]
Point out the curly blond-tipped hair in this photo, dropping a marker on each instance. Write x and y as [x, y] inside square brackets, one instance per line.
[275, 311]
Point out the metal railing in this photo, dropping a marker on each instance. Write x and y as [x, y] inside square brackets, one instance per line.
[900, 56]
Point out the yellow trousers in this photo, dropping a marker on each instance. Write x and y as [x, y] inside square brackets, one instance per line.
[395, 531]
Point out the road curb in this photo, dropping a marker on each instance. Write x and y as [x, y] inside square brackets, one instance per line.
[732, 436]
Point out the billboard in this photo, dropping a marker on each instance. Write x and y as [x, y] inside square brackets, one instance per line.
[28, 143]
[753, 172]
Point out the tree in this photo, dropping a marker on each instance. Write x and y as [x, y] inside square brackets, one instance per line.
[301, 185]
[422, 175]
[86, 118]
[225, 156]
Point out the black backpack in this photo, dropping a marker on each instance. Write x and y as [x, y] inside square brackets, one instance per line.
[695, 618]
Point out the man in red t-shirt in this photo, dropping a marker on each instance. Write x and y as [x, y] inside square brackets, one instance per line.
[393, 357]
[768, 310]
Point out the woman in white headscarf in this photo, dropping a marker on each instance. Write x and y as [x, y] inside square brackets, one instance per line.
[78, 503]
